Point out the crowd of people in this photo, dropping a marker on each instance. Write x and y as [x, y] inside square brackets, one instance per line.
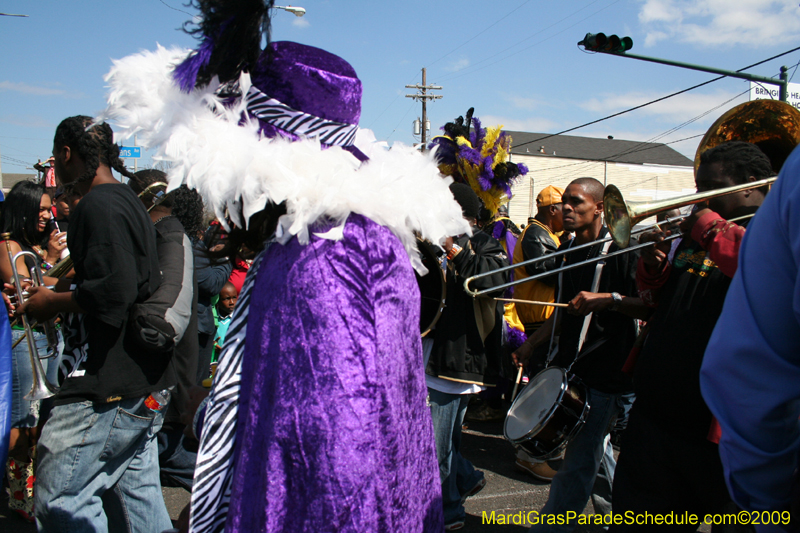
[128, 329]
[269, 359]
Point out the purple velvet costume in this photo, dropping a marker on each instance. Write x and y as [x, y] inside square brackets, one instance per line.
[333, 430]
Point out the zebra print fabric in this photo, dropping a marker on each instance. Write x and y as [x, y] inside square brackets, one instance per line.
[213, 474]
[298, 123]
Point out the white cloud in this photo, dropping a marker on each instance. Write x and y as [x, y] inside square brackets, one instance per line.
[29, 89]
[300, 22]
[35, 90]
[30, 121]
[530, 124]
[457, 65]
[721, 22]
[673, 110]
[521, 102]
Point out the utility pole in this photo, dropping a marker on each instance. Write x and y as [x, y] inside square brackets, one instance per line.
[423, 96]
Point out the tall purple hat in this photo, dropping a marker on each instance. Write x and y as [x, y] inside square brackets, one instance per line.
[297, 90]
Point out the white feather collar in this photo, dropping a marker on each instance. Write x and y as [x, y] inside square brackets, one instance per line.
[231, 166]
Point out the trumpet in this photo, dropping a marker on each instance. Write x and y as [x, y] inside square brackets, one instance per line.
[41, 388]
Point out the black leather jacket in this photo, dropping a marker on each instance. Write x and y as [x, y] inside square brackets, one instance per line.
[468, 337]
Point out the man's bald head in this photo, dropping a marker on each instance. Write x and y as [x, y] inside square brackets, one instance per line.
[592, 187]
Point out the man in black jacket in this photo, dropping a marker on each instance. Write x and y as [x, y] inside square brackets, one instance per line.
[538, 239]
[98, 465]
[175, 303]
[464, 353]
[596, 336]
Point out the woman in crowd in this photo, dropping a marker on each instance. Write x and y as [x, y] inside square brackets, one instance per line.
[26, 216]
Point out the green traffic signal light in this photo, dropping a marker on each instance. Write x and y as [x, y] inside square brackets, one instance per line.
[598, 42]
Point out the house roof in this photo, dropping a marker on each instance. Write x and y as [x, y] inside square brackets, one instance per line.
[10, 179]
[595, 149]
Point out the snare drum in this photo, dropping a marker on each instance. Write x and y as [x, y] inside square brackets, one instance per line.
[548, 412]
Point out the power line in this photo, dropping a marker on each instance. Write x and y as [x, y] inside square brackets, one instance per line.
[482, 32]
[657, 99]
[394, 100]
[13, 160]
[390, 104]
[401, 121]
[498, 56]
[175, 8]
[6, 147]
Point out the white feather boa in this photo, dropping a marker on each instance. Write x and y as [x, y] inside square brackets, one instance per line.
[231, 166]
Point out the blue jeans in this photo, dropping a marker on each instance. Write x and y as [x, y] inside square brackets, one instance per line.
[457, 474]
[176, 461]
[98, 469]
[584, 456]
[24, 413]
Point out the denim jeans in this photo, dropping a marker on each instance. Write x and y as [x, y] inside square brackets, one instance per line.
[176, 458]
[578, 474]
[24, 413]
[457, 474]
[98, 469]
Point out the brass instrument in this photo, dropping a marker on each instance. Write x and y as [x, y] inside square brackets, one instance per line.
[158, 196]
[772, 125]
[41, 388]
[621, 216]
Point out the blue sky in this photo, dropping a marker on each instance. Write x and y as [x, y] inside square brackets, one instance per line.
[515, 61]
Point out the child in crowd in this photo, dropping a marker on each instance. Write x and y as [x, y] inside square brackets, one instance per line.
[227, 301]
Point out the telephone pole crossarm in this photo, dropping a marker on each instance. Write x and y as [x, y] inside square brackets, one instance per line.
[423, 96]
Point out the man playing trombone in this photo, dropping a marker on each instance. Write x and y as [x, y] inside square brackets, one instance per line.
[596, 335]
[671, 436]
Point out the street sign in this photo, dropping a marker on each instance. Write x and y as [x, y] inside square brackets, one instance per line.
[133, 152]
[763, 91]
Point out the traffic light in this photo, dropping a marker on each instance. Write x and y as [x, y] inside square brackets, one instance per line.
[598, 42]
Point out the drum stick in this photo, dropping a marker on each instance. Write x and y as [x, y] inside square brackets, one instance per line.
[531, 302]
[516, 385]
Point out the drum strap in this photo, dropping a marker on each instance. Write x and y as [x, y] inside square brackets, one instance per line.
[587, 320]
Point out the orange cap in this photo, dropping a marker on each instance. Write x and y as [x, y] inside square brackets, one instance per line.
[550, 195]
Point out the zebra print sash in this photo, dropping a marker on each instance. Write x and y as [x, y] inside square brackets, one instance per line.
[213, 474]
[298, 123]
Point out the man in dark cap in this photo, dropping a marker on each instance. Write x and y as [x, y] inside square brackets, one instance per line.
[463, 357]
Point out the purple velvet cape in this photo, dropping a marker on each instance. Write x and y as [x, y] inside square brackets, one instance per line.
[333, 429]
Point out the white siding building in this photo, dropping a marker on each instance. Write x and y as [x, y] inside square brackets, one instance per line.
[642, 171]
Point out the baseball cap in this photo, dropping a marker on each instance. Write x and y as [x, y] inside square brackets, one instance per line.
[550, 195]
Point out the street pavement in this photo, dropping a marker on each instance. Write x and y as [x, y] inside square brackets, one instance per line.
[508, 491]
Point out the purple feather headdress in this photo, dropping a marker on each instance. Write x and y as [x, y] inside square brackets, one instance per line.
[478, 157]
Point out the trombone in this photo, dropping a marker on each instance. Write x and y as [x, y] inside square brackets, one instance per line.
[620, 232]
[771, 125]
[41, 388]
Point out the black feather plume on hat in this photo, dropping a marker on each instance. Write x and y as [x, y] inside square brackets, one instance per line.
[230, 32]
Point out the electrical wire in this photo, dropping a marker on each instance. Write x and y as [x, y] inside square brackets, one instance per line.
[480, 33]
[650, 144]
[401, 121]
[175, 8]
[483, 31]
[657, 99]
[390, 105]
[498, 56]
